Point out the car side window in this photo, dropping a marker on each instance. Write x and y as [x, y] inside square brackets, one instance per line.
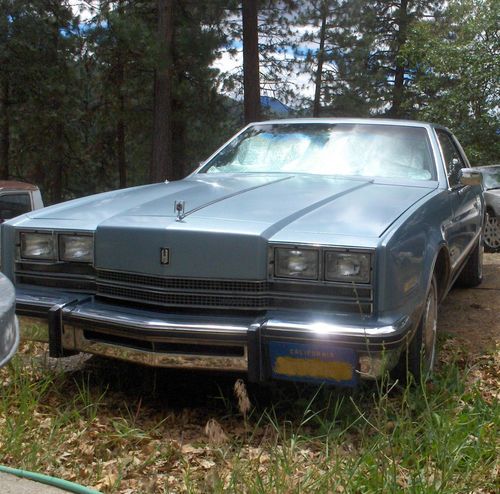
[452, 157]
[12, 205]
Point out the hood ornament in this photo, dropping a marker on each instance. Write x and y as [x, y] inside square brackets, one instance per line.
[179, 208]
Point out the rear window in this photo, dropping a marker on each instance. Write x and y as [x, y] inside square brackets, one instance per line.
[12, 205]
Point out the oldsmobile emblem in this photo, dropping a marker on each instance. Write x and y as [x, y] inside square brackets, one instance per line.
[179, 208]
[164, 255]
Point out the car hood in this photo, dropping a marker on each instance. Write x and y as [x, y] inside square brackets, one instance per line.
[224, 214]
[348, 206]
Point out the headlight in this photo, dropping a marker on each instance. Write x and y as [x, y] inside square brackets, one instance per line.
[347, 266]
[76, 248]
[37, 246]
[296, 263]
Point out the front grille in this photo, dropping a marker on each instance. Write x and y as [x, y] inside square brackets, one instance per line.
[184, 283]
[174, 299]
[232, 294]
[157, 291]
[68, 276]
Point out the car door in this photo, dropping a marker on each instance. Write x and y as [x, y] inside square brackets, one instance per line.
[465, 201]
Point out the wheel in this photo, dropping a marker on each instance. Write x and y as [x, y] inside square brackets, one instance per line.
[419, 357]
[472, 273]
[491, 233]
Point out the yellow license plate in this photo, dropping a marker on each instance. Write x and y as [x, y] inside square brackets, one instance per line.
[313, 363]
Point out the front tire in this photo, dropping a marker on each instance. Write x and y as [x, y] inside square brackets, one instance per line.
[491, 233]
[417, 362]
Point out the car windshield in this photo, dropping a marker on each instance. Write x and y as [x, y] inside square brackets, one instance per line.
[491, 178]
[328, 149]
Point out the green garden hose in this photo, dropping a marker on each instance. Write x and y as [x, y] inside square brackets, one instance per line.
[46, 479]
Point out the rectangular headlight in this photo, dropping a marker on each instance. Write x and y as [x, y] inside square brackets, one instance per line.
[76, 248]
[296, 263]
[347, 266]
[37, 246]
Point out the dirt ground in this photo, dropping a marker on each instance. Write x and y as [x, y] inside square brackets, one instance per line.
[472, 316]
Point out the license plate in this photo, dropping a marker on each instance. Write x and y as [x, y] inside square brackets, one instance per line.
[316, 363]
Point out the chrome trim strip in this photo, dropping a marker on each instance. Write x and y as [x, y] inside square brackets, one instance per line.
[212, 362]
[330, 329]
[132, 321]
[466, 251]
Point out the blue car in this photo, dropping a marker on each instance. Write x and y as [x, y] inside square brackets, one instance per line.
[312, 250]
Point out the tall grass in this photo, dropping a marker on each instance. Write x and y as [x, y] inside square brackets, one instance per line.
[89, 427]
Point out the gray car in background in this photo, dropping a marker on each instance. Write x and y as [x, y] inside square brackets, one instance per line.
[491, 185]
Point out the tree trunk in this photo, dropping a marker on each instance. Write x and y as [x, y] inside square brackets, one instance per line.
[162, 162]
[321, 55]
[57, 180]
[251, 79]
[4, 130]
[120, 124]
[399, 71]
[120, 143]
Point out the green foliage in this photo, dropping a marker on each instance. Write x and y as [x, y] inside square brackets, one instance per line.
[458, 79]
[77, 98]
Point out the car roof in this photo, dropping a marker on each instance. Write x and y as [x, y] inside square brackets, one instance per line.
[14, 185]
[381, 121]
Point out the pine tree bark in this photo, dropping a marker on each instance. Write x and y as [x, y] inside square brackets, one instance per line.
[399, 70]
[58, 164]
[120, 123]
[120, 144]
[251, 79]
[4, 130]
[321, 56]
[162, 159]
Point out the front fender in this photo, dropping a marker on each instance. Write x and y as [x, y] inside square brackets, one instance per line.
[409, 253]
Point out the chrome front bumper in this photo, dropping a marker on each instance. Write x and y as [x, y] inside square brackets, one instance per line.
[200, 341]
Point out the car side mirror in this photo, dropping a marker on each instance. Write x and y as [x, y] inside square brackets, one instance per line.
[468, 176]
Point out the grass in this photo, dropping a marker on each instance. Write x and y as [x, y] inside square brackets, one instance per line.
[127, 429]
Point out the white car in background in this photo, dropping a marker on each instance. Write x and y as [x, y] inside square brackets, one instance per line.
[17, 198]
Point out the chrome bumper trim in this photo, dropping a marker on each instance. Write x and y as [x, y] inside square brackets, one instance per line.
[116, 318]
[155, 359]
[197, 341]
[329, 329]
